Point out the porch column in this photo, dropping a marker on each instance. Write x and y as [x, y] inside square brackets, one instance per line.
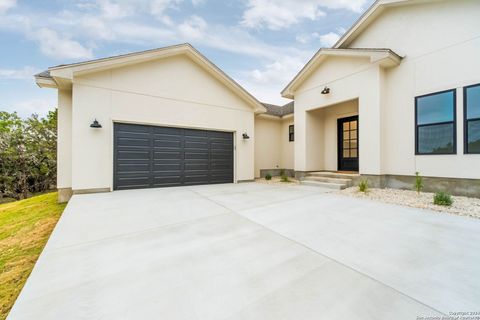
[300, 148]
[371, 124]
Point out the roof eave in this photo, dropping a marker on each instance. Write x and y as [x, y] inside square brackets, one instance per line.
[46, 82]
[369, 16]
[63, 75]
[386, 58]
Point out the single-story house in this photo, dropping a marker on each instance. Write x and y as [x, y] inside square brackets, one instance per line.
[399, 93]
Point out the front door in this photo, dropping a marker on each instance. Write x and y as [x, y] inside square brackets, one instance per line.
[348, 144]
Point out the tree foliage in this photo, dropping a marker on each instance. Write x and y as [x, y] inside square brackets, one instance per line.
[28, 161]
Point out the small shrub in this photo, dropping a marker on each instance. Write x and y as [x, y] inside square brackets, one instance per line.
[442, 199]
[284, 178]
[363, 186]
[418, 186]
[268, 176]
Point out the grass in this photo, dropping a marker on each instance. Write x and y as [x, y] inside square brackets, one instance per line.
[25, 227]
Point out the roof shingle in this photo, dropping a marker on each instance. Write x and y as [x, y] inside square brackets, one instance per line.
[279, 111]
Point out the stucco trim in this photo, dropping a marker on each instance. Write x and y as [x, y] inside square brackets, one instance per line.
[92, 190]
[455, 186]
[64, 194]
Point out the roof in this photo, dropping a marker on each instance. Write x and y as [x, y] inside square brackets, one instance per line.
[386, 57]
[369, 16]
[279, 111]
[62, 75]
[43, 74]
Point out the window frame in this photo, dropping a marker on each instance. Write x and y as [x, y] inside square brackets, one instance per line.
[454, 122]
[291, 134]
[465, 119]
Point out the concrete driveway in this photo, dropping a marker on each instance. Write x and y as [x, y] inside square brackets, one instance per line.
[251, 251]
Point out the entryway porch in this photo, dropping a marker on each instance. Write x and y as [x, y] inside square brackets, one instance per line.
[336, 180]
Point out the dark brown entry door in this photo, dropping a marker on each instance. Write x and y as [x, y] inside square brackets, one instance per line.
[348, 144]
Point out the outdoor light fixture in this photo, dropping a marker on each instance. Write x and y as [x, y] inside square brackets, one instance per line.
[326, 90]
[245, 136]
[95, 124]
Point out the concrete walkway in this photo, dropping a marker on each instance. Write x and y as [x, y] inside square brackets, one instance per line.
[251, 251]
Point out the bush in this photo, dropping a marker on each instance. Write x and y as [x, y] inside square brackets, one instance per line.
[284, 178]
[418, 186]
[268, 176]
[363, 186]
[442, 199]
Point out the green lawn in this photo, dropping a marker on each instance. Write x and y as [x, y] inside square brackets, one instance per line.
[25, 227]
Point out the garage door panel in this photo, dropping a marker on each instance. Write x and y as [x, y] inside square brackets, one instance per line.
[133, 182]
[196, 144]
[167, 167]
[167, 155]
[196, 179]
[196, 155]
[122, 128]
[162, 143]
[134, 142]
[133, 167]
[165, 131]
[196, 166]
[220, 134]
[149, 156]
[166, 181]
[192, 133]
[133, 155]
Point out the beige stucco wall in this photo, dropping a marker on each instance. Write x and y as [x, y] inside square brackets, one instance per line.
[173, 92]
[442, 56]
[267, 144]
[272, 148]
[287, 147]
[64, 140]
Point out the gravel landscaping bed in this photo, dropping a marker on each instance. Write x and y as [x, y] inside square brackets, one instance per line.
[276, 180]
[462, 206]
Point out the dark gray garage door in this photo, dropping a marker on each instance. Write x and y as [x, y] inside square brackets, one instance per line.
[150, 156]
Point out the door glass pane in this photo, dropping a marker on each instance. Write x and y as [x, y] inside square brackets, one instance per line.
[473, 102]
[346, 145]
[474, 136]
[353, 153]
[346, 135]
[353, 143]
[346, 126]
[436, 139]
[346, 154]
[435, 108]
[353, 125]
[353, 134]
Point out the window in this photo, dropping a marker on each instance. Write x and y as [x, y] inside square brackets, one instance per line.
[435, 123]
[471, 96]
[291, 133]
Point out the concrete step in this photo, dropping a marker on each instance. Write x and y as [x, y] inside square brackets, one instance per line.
[333, 186]
[327, 174]
[347, 182]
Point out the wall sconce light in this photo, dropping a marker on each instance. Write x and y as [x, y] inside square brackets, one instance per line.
[245, 136]
[326, 90]
[95, 124]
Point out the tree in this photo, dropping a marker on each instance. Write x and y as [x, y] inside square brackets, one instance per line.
[27, 154]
